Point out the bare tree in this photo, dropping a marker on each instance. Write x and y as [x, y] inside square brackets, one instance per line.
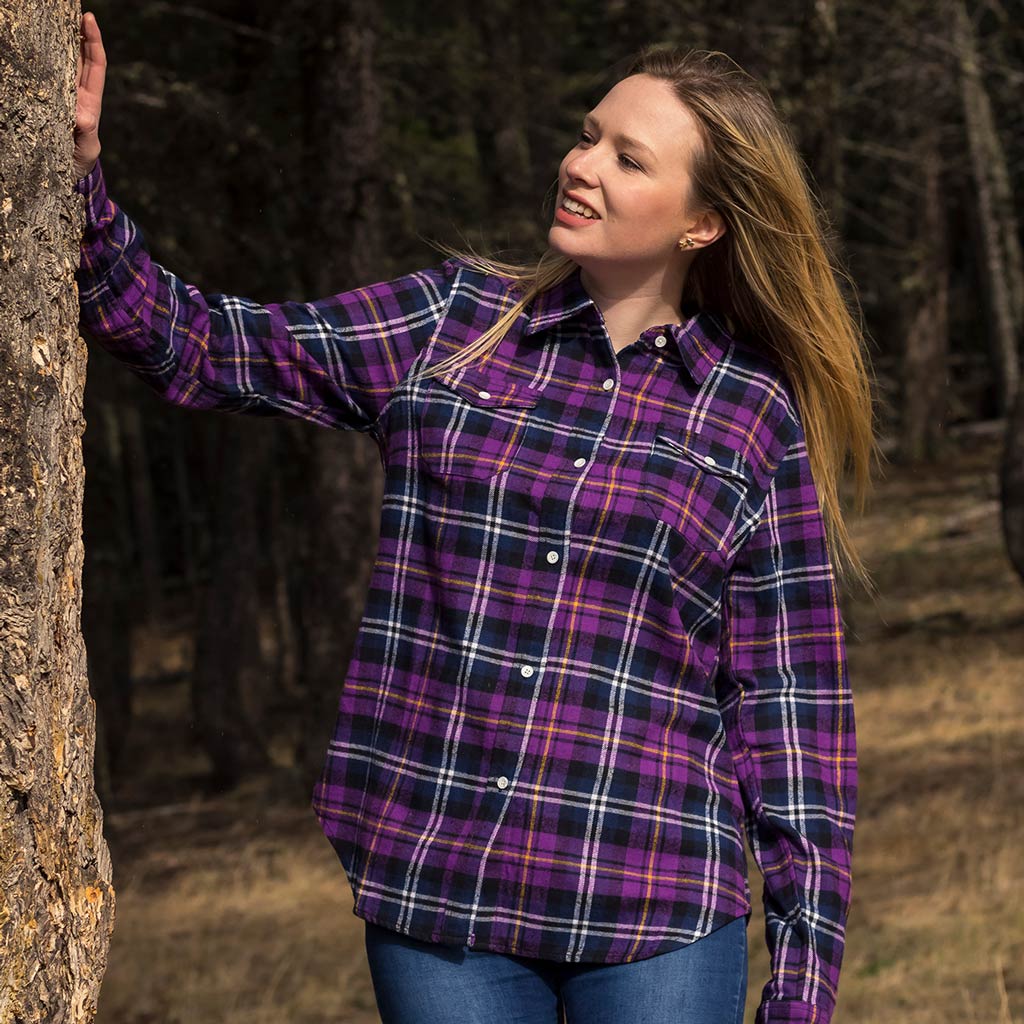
[1001, 257]
[1012, 485]
[1003, 266]
[926, 340]
[342, 478]
[233, 682]
[58, 902]
[819, 110]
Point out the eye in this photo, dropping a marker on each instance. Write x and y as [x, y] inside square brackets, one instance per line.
[626, 162]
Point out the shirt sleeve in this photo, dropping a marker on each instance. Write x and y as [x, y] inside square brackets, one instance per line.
[334, 361]
[788, 712]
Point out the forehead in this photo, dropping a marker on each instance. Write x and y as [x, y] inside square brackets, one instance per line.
[648, 109]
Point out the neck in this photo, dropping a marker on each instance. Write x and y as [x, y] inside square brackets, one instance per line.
[629, 307]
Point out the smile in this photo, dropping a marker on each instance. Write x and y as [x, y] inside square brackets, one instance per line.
[581, 209]
[574, 214]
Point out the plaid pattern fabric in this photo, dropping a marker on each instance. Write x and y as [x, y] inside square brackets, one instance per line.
[602, 639]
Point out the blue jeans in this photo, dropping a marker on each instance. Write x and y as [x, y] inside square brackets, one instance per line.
[419, 982]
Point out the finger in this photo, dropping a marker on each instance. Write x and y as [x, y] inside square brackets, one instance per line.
[94, 62]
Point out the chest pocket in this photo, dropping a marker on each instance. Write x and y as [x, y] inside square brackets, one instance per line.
[697, 487]
[472, 423]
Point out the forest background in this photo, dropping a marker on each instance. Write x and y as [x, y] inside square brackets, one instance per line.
[297, 148]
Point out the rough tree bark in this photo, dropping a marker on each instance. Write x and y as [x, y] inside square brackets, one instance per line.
[56, 898]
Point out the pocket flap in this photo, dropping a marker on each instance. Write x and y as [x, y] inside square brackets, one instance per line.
[489, 389]
[710, 456]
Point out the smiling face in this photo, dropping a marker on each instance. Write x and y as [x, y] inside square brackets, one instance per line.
[631, 167]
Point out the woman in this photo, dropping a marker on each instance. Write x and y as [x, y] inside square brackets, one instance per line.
[602, 637]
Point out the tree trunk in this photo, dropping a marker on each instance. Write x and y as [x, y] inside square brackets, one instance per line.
[819, 120]
[926, 348]
[108, 594]
[229, 683]
[502, 28]
[147, 530]
[342, 132]
[278, 526]
[986, 152]
[184, 488]
[340, 483]
[57, 905]
[1012, 485]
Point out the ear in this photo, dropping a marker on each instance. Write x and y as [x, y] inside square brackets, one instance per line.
[708, 227]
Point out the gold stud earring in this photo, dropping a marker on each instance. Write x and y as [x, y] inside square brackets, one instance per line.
[687, 243]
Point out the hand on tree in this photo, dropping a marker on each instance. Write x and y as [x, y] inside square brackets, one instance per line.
[92, 70]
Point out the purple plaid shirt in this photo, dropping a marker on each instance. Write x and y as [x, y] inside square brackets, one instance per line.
[602, 639]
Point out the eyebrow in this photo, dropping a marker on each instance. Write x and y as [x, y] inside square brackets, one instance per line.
[626, 140]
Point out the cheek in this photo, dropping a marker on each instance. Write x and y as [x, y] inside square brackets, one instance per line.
[653, 213]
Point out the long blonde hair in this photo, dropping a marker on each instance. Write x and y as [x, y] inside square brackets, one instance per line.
[771, 277]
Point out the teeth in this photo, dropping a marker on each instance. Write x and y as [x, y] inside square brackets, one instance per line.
[574, 207]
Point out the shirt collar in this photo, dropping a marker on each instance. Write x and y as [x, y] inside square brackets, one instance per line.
[700, 340]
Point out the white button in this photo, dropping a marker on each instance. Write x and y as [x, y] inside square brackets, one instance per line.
[552, 557]
[660, 341]
[526, 670]
[709, 460]
[502, 782]
[609, 384]
[485, 394]
[580, 463]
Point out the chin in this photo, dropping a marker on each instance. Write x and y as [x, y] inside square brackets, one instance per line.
[564, 247]
[555, 238]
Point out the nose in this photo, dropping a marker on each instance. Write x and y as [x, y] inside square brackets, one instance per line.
[580, 168]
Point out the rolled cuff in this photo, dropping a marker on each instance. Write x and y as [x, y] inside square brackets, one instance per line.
[94, 188]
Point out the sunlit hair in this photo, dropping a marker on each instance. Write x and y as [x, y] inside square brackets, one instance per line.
[771, 278]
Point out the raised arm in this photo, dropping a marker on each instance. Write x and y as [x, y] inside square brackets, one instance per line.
[334, 361]
[788, 711]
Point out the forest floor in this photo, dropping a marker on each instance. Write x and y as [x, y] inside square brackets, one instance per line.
[235, 908]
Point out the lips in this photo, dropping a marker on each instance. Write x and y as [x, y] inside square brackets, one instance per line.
[573, 220]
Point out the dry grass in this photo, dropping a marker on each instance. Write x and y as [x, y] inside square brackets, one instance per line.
[233, 915]
[236, 909]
